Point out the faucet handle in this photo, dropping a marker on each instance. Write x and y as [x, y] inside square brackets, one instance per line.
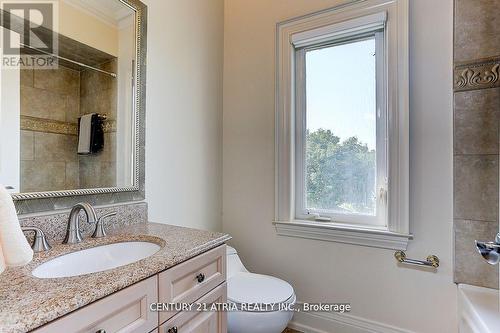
[40, 243]
[100, 231]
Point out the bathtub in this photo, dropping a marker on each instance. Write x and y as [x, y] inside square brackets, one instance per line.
[478, 309]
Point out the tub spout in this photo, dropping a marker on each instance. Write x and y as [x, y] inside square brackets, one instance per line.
[490, 251]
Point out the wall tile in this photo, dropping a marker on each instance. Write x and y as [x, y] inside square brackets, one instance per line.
[93, 82]
[43, 104]
[27, 146]
[476, 121]
[46, 176]
[61, 80]
[102, 102]
[72, 176]
[27, 77]
[110, 147]
[476, 187]
[56, 147]
[95, 173]
[73, 108]
[470, 267]
[477, 29]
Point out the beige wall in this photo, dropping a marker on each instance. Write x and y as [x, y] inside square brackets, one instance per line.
[368, 278]
[87, 29]
[184, 110]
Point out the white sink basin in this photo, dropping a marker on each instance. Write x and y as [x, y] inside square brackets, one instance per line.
[95, 259]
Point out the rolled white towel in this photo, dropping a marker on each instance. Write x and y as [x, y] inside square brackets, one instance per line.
[15, 247]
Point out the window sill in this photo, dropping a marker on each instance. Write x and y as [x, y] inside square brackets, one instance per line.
[334, 232]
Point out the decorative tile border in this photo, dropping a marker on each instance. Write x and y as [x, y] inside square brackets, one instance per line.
[480, 74]
[58, 127]
[109, 126]
[48, 126]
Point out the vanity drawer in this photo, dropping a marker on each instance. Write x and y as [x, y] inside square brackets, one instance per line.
[126, 311]
[200, 322]
[187, 282]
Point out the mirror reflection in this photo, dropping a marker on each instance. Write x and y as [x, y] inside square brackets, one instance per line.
[69, 125]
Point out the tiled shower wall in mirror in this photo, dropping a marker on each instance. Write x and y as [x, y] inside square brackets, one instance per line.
[51, 103]
[476, 136]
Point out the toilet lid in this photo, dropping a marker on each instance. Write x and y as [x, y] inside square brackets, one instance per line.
[253, 288]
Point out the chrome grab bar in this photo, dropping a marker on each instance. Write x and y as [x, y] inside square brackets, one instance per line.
[431, 261]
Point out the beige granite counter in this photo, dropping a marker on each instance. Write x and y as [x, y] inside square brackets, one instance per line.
[27, 302]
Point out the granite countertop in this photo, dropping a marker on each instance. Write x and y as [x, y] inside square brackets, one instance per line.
[27, 302]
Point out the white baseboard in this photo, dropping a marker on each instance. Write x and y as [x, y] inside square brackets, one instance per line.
[318, 322]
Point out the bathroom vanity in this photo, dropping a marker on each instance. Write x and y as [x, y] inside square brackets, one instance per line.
[74, 133]
[190, 267]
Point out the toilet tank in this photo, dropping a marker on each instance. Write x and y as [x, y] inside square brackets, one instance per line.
[234, 264]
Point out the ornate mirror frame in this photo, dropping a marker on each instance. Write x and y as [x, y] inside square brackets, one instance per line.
[34, 202]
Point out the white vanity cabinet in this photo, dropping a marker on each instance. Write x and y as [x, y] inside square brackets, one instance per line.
[126, 311]
[200, 322]
[187, 282]
[198, 280]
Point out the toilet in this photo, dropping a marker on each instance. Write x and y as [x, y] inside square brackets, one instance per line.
[252, 294]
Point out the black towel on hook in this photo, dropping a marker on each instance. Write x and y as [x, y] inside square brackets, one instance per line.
[97, 136]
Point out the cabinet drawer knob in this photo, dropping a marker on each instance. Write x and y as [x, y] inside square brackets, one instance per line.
[172, 330]
[200, 277]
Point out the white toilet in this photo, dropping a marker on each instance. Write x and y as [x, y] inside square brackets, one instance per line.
[244, 287]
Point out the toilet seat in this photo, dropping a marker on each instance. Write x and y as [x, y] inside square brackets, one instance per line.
[252, 288]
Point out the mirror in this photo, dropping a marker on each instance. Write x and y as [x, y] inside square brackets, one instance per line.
[71, 97]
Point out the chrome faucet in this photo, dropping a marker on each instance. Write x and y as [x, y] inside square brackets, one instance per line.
[490, 250]
[73, 234]
[40, 243]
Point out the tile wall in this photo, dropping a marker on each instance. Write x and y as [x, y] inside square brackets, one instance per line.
[476, 136]
[98, 95]
[49, 160]
[51, 103]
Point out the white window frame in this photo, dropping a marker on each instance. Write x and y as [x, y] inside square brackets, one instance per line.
[388, 20]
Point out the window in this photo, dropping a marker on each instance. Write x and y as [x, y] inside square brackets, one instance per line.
[342, 125]
[340, 155]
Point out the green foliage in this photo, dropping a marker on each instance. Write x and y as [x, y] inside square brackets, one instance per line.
[340, 176]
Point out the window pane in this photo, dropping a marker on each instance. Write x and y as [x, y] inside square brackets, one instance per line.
[341, 135]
